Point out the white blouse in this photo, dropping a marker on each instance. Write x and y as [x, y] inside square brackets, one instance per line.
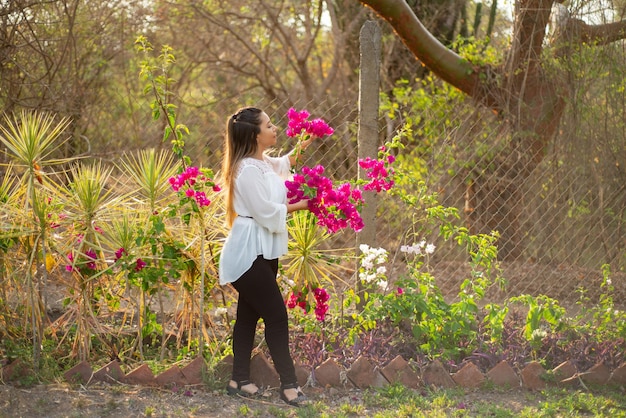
[260, 201]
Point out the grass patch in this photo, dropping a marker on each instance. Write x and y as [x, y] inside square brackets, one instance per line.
[398, 401]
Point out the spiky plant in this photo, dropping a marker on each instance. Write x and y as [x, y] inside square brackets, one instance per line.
[90, 203]
[202, 239]
[31, 139]
[148, 173]
[8, 240]
[311, 262]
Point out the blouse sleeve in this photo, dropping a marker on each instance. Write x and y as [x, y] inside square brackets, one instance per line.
[255, 195]
[280, 165]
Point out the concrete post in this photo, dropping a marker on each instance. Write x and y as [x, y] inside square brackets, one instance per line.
[369, 87]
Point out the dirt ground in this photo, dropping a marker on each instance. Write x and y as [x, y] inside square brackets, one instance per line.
[103, 400]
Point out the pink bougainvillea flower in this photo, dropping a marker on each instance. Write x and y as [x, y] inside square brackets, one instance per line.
[400, 291]
[299, 123]
[319, 128]
[297, 299]
[70, 258]
[379, 172]
[201, 199]
[335, 208]
[91, 254]
[193, 181]
[321, 307]
[321, 298]
[119, 253]
[140, 264]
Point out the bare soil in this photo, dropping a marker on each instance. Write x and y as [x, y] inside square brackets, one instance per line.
[103, 400]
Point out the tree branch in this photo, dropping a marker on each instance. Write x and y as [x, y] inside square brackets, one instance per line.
[603, 34]
[442, 61]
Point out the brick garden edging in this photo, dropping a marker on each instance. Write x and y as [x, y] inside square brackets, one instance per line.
[361, 374]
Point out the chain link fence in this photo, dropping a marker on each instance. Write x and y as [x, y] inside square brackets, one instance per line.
[560, 220]
[570, 210]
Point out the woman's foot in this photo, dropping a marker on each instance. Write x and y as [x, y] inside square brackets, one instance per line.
[244, 388]
[292, 394]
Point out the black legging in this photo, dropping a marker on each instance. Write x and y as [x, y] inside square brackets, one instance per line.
[260, 297]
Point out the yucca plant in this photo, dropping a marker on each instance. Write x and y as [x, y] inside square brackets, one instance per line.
[90, 204]
[311, 262]
[202, 238]
[31, 139]
[8, 239]
[148, 173]
[120, 237]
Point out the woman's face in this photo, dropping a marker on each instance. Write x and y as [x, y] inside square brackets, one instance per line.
[267, 137]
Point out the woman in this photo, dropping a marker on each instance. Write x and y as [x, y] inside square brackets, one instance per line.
[256, 212]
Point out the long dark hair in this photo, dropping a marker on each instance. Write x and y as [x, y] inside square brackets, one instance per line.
[242, 129]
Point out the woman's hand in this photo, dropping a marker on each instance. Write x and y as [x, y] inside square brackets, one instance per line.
[300, 205]
[296, 155]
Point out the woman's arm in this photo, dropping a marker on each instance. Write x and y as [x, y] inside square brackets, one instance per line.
[301, 205]
[296, 155]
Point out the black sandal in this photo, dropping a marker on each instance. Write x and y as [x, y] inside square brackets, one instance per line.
[298, 400]
[240, 392]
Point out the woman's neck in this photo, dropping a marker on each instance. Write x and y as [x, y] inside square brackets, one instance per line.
[258, 155]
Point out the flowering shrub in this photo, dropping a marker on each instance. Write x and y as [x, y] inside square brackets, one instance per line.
[379, 172]
[300, 125]
[300, 299]
[82, 263]
[372, 270]
[420, 248]
[335, 208]
[191, 185]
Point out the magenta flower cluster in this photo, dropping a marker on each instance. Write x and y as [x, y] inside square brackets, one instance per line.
[379, 172]
[191, 183]
[321, 302]
[335, 207]
[90, 263]
[139, 264]
[297, 299]
[299, 123]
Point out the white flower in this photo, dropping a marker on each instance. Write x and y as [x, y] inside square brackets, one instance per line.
[383, 284]
[364, 248]
[608, 282]
[381, 270]
[367, 277]
[539, 334]
[367, 264]
[411, 249]
[220, 311]
[430, 248]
